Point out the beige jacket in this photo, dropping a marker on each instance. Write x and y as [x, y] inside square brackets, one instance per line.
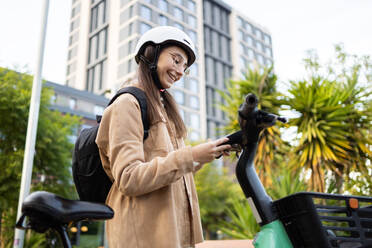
[153, 194]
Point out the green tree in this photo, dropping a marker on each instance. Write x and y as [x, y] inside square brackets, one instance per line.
[52, 161]
[215, 189]
[262, 82]
[334, 117]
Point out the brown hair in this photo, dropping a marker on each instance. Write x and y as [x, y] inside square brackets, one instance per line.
[154, 103]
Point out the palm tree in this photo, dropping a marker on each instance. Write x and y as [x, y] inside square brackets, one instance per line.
[261, 82]
[334, 119]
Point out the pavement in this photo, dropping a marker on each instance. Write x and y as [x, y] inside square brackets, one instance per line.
[226, 244]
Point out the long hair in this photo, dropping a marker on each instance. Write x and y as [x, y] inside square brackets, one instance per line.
[154, 103]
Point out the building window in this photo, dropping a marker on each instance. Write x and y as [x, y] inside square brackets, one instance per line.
[98, 110]
[97, 46]
[181, 82]
[163, 5]
[96, 77]
[240, 22]
[260, 59]
[195, 121]
[194, 102]
[249, 40]
[72, 103]
[178, 13]
[191, 6]
[163, 20]
[179, 26]
[145, 12]
[267, 39]
[179, 2]
[268, 51]
[249, 28]
[144, 27]
[182, 114]
[179, 96]
[241, 49]
[241, 35]
[250, 53]
[97, 15]
[193, 85]
[194, 136]
[194, 70]
[193, 36]
[260, 47]
[243, 63]
[192, 21]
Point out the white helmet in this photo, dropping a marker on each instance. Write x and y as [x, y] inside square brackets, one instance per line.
[162, 35]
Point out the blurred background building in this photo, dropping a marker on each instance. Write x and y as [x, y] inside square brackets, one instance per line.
[104, 33]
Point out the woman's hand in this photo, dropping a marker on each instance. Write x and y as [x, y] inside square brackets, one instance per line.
[207, 152]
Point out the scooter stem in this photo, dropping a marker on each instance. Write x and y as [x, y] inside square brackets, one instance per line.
[260, 202]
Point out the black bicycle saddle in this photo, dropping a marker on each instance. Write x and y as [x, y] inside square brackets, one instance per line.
[47, 210]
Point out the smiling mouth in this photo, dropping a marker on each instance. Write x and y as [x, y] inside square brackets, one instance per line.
[172, 77]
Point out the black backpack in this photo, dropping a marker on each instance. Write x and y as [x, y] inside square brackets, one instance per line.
[91, 181]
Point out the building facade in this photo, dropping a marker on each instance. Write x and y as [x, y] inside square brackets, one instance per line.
[104, 33]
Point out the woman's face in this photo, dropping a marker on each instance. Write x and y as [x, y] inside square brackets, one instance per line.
[172, 64]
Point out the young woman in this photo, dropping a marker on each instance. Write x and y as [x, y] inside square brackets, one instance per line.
[153, 194]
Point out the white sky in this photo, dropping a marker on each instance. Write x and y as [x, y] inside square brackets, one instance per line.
[295, 26]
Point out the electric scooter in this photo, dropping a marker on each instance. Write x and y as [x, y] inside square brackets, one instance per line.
[301, 220]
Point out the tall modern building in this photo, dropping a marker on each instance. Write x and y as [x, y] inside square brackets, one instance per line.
[103, 35]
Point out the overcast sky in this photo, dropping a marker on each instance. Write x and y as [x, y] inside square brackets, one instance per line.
[295, 26]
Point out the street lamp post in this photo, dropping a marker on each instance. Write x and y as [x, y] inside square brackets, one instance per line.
[32, 126]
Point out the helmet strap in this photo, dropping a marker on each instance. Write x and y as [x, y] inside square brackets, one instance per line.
[153, 66]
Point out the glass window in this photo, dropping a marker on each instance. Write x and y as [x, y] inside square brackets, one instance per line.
[181, 82]
[248, 27]
[163, 20]
[182, 114]
[98, 110]
[243, 63]
[178, 25]
[194, 102]
[241, 35]
[259, 46]
[269, 62]
[249, 40]
[163, 5]
[260, 59]
[241, 49]
[193, 36]
[144, 27]
[178, 13]
[193, 85]
[240, 22]
[179, 96]
[194, 136]
[192, 21]
[145, 12]
[268, 51]
[194, 70]
[250, 53]
[191, 6]
[72, 103]
[195, 121]
[267, 39]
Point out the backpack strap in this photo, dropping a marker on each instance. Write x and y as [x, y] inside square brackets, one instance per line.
[141, 98]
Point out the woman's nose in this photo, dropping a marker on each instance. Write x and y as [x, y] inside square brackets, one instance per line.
[179, 71]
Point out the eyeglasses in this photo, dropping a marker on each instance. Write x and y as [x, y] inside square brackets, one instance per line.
[178, 62]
